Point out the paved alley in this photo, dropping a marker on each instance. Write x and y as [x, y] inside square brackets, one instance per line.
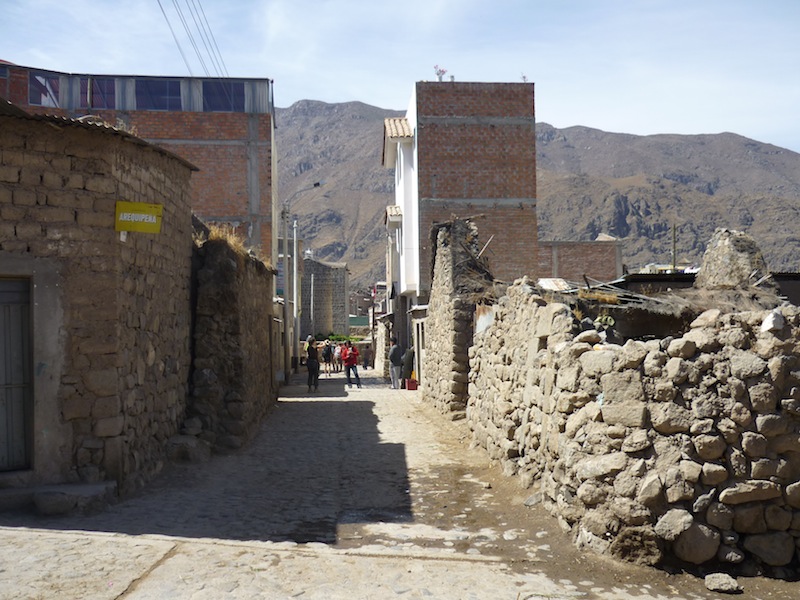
[345, 493]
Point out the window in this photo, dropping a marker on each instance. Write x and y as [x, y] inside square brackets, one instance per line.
[3, 71]
[43, 90]
[97, 92]
[223, 96]
[158, 94]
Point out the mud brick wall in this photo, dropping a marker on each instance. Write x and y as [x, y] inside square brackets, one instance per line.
[233, 378]
[686, 447]
[111, 317]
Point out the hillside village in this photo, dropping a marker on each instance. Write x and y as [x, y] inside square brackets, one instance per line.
[164, 286]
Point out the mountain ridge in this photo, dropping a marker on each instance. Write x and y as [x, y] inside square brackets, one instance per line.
[590, 181]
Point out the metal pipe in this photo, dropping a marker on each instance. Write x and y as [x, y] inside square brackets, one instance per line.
[295, 311]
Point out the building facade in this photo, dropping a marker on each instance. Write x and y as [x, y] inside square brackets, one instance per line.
[95, 318]
[223, 126]
[325, 301]
[462, 150]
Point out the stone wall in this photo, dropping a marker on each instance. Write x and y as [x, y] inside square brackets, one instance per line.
[331, 299]
[448, 327]
[682, 448]
[233, 378]
[110, 313]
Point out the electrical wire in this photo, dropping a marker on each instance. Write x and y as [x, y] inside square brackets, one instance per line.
[214, 41]
[203, 36]
[175, 37]
[190, 35]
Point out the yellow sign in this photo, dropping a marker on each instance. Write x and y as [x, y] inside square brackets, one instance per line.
[138, 216]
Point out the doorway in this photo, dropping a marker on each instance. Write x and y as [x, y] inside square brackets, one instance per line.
[16, 422]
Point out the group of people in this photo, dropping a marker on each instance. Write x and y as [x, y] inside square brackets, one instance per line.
[345, 355]
[334, 356]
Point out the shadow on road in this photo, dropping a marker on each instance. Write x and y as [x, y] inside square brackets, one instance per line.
[316, 462]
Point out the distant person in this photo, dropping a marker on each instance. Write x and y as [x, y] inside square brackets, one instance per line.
[395, 363]
[312, 362]
[367, 357]
[350, 358]
[327, 357]
[408, 363]
[337, 357]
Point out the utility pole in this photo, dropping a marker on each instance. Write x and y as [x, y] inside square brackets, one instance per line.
[289, 324]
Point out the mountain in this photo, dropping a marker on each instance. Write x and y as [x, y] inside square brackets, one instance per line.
[341, 146]
[633, 187]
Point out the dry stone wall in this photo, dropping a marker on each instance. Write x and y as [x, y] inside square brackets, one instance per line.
[233, 378]
[448, 327]
[682, 448]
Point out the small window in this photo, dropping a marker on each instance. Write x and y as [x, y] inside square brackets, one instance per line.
[3, 71]
[43, 90]
[97, 92]
[223, 96]
[158, 94]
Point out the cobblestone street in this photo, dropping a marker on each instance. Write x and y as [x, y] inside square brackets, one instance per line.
[345, 493]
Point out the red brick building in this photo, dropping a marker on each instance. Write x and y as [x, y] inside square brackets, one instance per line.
[464, 150]
[469, 150]
[223, 126]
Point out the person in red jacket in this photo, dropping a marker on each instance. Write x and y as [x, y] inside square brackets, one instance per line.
[350, 359]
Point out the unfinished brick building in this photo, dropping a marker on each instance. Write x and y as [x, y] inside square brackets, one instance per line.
[223, 126]
[468, 150]
[463, 149]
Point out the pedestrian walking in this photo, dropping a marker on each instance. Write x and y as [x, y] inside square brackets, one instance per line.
[312, 362]
[408, 364]
[395, 363]
[350, 358]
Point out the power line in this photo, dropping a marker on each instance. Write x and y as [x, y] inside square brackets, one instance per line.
[203, 36]
[190, 35]
[212, 55]
[175, 37]
[214, 41]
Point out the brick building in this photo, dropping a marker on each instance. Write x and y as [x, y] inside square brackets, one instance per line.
[469, 150]
[600, 259]
[223, 126]
[463, 149]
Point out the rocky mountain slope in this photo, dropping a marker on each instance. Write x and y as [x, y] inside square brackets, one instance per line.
[590, 182]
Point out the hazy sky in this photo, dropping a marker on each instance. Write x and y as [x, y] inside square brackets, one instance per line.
[632, 66]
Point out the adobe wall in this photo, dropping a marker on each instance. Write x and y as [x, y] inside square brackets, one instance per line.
[233, 378]
[682, 448]
[111, 317]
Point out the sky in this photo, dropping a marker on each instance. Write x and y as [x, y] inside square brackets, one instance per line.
[626, 66]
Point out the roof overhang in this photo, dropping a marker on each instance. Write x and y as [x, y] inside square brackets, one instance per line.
[396, 130]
